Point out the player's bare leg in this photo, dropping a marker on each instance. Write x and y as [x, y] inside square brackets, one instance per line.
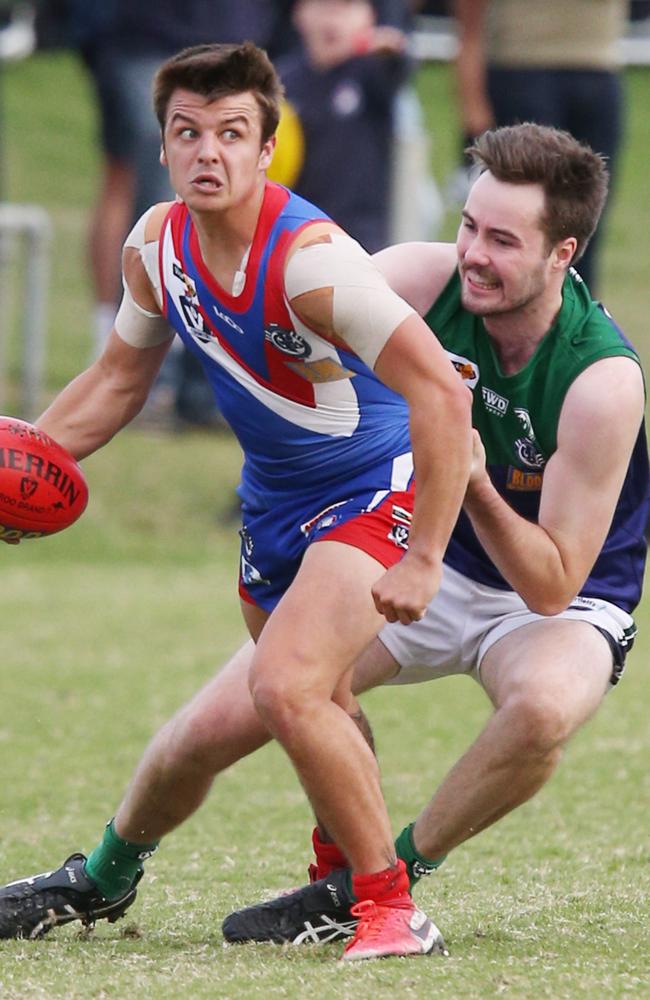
[302, 662]
[300, 682]
[217, 727]
[545, 680]
[214, 729]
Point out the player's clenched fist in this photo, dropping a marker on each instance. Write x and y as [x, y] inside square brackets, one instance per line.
[404, 591]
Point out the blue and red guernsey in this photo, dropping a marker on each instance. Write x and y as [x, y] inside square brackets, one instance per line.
[308, 414]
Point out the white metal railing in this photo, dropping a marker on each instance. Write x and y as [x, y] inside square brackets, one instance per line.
[25, 230]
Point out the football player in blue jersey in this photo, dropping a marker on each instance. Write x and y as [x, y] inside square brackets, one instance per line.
[339, 396]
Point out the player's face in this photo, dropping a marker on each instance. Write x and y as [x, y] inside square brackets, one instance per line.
[503, 256]
[214, 149]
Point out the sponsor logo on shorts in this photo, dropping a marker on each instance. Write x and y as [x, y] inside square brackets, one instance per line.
[494, 403]
[247, 542]
[402, 515]
[250, 574]
[468, 370]
[324, 519]
[399, 534]
[586, 604]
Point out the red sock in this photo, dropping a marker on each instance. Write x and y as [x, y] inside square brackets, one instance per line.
[390, 884]
[328, 857]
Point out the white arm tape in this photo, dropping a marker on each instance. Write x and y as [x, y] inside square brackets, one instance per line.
[135, 325]
[138, 327]
[365, 310]
[148, 252]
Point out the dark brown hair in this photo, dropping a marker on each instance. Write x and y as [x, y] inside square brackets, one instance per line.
[574, 178]
[216, 70]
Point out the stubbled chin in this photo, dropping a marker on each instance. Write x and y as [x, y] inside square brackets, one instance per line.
[477, 304]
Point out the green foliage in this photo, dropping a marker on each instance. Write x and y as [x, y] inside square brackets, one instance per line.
[113, 624]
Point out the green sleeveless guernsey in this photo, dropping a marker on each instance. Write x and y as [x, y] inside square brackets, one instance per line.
[517, 417]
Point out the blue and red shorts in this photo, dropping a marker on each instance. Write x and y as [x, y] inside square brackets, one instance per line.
[273, 542]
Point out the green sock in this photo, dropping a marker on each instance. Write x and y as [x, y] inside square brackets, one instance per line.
[416, 866]
[114, 863]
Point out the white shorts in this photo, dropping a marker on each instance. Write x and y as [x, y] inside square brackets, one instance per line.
[466, 618]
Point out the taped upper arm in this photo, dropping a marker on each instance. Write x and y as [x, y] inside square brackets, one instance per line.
[358, 305]
[139, 321]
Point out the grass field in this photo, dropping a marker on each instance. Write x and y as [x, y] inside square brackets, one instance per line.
[111, 625]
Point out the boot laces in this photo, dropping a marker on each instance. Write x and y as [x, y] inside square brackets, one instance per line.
[373, 916]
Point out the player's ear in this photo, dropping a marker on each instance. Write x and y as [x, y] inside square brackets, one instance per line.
[266, 154]
[565, 252]
[163, 155]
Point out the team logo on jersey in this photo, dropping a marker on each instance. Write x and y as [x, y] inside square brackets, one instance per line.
[467, 370]
[527, 447]
[493, 402]
[287, 341]
[189, 303]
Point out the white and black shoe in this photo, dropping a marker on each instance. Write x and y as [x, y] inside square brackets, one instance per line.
[30, 907]
[316, 914]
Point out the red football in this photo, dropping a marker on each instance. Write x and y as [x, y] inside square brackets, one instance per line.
[42, 488]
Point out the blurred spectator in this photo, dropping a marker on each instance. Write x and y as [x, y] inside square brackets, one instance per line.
[335, 145]
[555, 63]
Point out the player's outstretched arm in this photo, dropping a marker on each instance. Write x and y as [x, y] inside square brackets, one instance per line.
[548, 563]
[105, 397]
